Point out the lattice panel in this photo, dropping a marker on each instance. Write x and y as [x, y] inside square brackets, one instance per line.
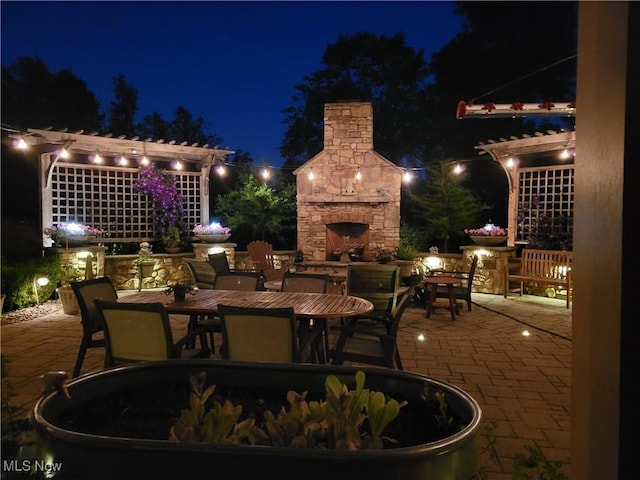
[106, 198]
[543, 190]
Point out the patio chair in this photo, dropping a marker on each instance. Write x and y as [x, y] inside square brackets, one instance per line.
[364, 345]
[379, 284]
[201, 271]
[86, 291]
[247, 281]
[261, 254]
[463, 291]
[260, 334]
[310, 283]
[137, 332]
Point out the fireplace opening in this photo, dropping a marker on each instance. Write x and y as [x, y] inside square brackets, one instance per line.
[347, 237]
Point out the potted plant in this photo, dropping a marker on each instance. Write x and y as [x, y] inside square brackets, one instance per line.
[405, 255]
[171, 239]
[132, 415]
[145, 263]
[384, 255]
[71, 234]
[180, 291]
[69, 273]
[214, 232]
[489, 235]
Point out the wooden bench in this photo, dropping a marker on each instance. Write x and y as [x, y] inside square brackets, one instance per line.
[545, 267]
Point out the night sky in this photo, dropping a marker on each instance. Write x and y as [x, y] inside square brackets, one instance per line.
[233, 63]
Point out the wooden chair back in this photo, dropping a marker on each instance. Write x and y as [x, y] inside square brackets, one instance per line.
[261, 254]
[259, 334]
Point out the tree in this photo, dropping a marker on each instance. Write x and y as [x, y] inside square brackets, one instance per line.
[122, 112]
[446, 207]
[257, 211]
[32, 96]
[379, 69]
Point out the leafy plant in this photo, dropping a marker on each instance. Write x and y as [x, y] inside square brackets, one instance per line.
[534, 465]
[337, 422]
[171, 237]
[384, 255]
[406, 251]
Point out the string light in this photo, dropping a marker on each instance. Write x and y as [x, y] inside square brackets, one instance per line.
[97, 158]
[458, 169]
[359, 175]
[311, 175]
[22, 145]
[565, 155]
[64, 153]
[509, 163]
[407, 176]
[144, 160]
[220, 170]
[265, 173]
[123, 161]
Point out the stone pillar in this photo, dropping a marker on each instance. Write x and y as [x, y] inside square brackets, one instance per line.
[492, 261]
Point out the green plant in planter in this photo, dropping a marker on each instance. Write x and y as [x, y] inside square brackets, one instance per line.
[384, 255]
[171, 237]
[217, 425]
[406, 251]
[336, 422]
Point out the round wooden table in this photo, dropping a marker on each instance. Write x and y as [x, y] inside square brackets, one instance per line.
[431, 284]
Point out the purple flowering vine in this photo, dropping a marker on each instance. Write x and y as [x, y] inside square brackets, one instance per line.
[166, 201]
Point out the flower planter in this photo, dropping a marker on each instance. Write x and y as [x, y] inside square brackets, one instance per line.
[213, 238]
[68, 299]
[67, 434]
[489, 240]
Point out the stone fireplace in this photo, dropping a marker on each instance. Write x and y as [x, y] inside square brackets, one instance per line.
[348, 196]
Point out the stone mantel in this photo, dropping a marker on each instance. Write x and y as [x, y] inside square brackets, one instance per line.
[344, 199]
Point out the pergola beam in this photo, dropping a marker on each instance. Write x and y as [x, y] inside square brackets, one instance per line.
[515, 110]
[107, 146]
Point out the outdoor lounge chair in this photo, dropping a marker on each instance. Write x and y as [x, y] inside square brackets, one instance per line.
[86, 291]
[260, 334]
[365, 345]
[136, 332]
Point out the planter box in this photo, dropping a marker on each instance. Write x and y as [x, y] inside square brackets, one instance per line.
[108, 455]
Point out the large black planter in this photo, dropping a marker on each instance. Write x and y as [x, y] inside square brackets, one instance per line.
[60, 424]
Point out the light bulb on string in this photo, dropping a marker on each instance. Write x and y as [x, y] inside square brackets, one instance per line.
[265, 173]
[564, 155]
[144, 161]
[22, 145]
[97, 158]
[407, 176]
[458, 169]
[220, 170]
[311, 175]
[358, 174]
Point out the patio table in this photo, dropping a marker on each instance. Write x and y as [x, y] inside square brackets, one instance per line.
[307, 306]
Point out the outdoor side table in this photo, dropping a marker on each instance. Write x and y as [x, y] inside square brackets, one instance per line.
[431, 283]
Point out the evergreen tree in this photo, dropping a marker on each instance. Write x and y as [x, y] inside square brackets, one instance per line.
[445, 206]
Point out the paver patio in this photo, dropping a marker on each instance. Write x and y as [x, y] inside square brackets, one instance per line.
[522, 382]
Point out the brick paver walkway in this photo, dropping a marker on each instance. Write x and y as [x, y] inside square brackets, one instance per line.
[522, 382]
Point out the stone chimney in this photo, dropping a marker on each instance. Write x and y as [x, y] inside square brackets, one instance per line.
[352, 197]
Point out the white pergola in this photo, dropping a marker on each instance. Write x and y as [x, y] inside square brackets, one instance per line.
[81, 188]
[507, 151]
